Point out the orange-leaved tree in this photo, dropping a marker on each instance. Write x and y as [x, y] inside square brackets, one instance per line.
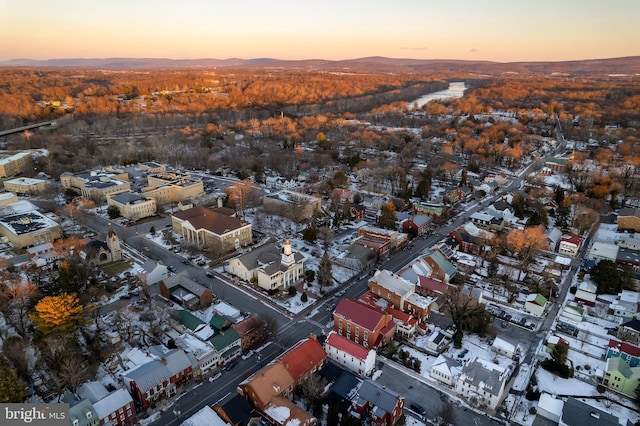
[60, 314]
[526, 243]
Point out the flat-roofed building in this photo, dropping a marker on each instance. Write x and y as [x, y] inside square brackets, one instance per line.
[24, 226]
[96, 184]
[13, 164]
[167, 188]
[293, 205]
[132, 205]
[27, 185]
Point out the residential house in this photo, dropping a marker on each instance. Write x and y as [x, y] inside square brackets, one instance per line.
[82, 413]
[439, 266]
[376, 403]
[132, 205]
[357, 257]
[154, 272]
[620, 377]
[362, 324]
[251, 331]
[433, 288]
[115, 407]
[569, 245]
[603, 250]
[43, 254]
[554, 235]
[471, 239]
[629, 332]
[27, 186]
[203, 356]
[406, 323]
[629, 219]
[400, 293]
[217, 231]
[487, 221]
[283, 412]
[445, 370]
[228, 344]
[628, 352]
[578, 413]
[586, 293]
[205, 416]
[238, 412]
[550, 407]
[272, 268]
[436, 342]
[502, 210]
[555, 165]
[187, 293]
[303, 359]
[418, 225]
[267, 383]
[505, 348]
[358, 212]
[178, 366]
[482, 383]
[431, 209]
[349, 354]
[535, 304]
[148, 382]
[626, 304]
[572, 313]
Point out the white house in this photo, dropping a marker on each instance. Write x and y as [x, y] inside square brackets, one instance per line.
[445, 370]
[436, 342]
[502, 347]
[601, 250]
[586, 293]
[550, 407]
[573, 313]
[482, 383]
[349, 354]
[535, 304]
[154, 272]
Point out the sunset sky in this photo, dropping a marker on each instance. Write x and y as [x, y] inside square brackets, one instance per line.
[496, 30]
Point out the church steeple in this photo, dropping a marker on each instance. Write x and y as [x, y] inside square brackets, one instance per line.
[287, 256]
[113, 242]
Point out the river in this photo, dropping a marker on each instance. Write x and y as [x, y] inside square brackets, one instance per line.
[455, 90]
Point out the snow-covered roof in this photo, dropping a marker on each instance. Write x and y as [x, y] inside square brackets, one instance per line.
[205, 417]
[550, 404]
[112, 403]
[393, 282]
[503, 345]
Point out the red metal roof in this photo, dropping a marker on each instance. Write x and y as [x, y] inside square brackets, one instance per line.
[342, 343]
[303, 357]
[624, 347]
[432, 285]
[358, 313]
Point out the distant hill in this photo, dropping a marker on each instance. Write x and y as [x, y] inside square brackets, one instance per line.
[611, 66]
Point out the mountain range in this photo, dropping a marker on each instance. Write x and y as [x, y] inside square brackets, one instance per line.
[625, 66]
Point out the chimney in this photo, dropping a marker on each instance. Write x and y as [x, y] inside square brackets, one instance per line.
[312, 336]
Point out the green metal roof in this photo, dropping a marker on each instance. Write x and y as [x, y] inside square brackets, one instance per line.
[224, 339]
[187, 319]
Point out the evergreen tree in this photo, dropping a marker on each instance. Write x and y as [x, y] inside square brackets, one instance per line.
[325, 274]
[11, 387]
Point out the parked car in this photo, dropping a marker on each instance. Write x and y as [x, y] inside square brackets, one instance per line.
[247, 355]
[171, 268]
[230, 365]
[209, 274]
[418, 408]
[215, 376]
